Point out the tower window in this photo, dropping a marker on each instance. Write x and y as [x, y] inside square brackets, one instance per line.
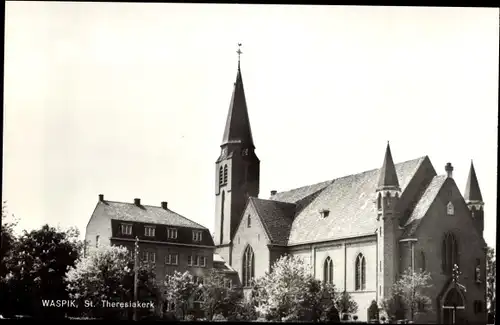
[249, 222]
[328, 270]
[225, 174]
[221, 175]
[379, 202]
[248, 266]
[450, 210]
[360, 273]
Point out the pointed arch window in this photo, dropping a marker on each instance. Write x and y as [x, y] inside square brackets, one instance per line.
[449, 253]
[450, 209]
[360, 272]
[221, 180]
[379, 201]
[225, 174]
[328, 270]
[249, 221]
[248, 266]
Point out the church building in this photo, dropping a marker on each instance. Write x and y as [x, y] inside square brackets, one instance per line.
[359, 232]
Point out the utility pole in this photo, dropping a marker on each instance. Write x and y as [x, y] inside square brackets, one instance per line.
[136, 275]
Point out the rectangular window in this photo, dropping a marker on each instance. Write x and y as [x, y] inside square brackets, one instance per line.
[203, 261]
[190, 260]
[171, 233]
[126, 229]
[228, 283]
[197, 235]
[196, 260]
[172, 259]
[149, 231]
[149, 256]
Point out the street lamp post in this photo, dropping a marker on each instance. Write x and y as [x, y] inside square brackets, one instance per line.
[136, 273]
[455, 276]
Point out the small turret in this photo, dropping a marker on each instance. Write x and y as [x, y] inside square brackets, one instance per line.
[474, 199]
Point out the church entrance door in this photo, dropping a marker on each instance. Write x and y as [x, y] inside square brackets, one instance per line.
[453, 308]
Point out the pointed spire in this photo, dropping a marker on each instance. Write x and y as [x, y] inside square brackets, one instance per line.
[238, 123]
[472, 191]
[388, 179]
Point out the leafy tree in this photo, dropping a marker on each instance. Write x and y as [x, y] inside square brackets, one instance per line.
[345, 303]
[180, 288]
[491, 279]
[217, 298]
[290, 292]
[36, 270]
[107, 273]
[408, 293]
[319, 301]
[7, 242]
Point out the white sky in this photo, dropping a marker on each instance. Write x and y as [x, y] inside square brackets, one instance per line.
[130, 99]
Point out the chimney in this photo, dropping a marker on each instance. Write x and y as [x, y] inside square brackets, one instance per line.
[164, 205]
[101, 197]
[273, 192]
[137, 202]
[449, 170]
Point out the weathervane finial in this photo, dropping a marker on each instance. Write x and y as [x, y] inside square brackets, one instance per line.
[239, 53]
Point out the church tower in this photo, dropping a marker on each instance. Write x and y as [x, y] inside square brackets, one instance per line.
[388, 193]
[474, 199]
[237, 170]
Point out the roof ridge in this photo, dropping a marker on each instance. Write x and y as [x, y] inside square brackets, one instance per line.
[331, 181]
[159, 207]
[275, 201]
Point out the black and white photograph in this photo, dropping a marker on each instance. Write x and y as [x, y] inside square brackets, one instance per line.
[249, 162]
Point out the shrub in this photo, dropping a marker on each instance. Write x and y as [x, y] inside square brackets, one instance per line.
[355, 317]
[219, 318]
[190, 318]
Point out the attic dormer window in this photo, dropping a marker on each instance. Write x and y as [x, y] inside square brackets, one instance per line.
[149, 231]
[324, 213]
[450, 209]
[126, 229]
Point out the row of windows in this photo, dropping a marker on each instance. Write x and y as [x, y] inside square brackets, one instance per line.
[223, 175]
[359, 272]
[173, 259]
[150, 231]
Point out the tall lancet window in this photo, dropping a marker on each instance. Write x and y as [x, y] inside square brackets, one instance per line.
[221, 180]
[248, 266]
[225, 174]
[449, 253]
[360, 272]
[328, 270]
[379, 201]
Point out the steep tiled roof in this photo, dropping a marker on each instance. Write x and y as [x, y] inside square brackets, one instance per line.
[147, 214]
[423, 205]
[221, 265]
[277, 218]
[350, 202]
[298, 194]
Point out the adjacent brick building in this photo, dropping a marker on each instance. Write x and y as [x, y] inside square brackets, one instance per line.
[359, 232]
[167, 239]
